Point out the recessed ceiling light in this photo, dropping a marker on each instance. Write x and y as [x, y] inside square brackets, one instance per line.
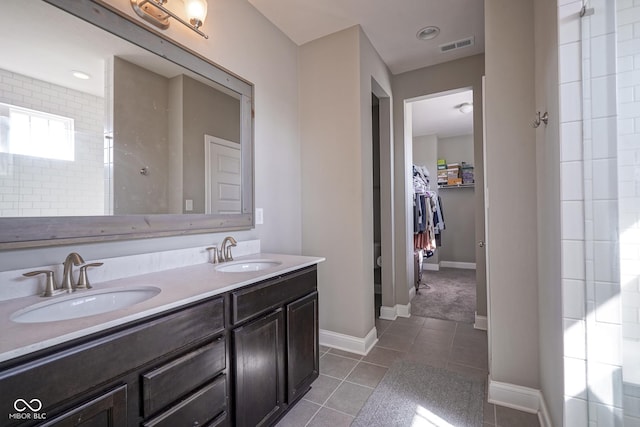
[428, 33]
[465, 107]
[80, 75]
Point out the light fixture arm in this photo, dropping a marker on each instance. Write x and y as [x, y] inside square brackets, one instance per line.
[144, 9]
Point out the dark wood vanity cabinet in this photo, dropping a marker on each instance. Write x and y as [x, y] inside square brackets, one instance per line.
[142, 373]
[237, 359]
[275, 346]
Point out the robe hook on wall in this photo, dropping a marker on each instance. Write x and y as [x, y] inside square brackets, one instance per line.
[542, 118]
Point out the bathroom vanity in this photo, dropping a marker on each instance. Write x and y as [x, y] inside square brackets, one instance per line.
[239, 350]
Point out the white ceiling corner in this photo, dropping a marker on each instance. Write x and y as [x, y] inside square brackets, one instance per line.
[391, 26]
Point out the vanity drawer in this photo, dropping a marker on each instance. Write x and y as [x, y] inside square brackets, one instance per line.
[249, 302]
[200, 408]
[178, 377]
[69, 371]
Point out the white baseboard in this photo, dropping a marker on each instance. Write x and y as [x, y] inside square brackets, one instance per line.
[349, 343]
[430, 267]
[543, 413]
[455, 264]
[388, 313]
[392, 313]
[481, 322]
[521, 398]
[412, 292]
[403, 310]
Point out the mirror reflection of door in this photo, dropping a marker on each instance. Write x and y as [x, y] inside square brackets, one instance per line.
[222, 176]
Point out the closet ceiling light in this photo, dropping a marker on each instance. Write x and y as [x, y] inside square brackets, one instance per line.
[428, 33]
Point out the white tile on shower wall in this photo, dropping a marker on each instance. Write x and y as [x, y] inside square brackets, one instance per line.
[608, 305]
[605, 179]
[605, 219]
[571, 141]
[571, 102]
[576, 413]
[603, 21]
[605, 384]
[569, 22]
[575, 344]
[573, 259]
[575, 381]
[606, 415]
[604, 133]
[606, 262]
[629, 15]
[603, 96]
[603, 55]
[570, 63]
[571, 184]
[573, 299]
[573, 220]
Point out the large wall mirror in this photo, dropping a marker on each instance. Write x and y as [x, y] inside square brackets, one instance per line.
[110, 131]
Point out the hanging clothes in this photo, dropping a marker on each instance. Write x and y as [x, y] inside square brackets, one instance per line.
[424, 205]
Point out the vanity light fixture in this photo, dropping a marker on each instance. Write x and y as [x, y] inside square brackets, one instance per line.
[157, 13]
[465, 107]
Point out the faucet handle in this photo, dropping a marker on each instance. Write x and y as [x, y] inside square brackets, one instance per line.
[50, 286]
[83, 280]
[213, 250]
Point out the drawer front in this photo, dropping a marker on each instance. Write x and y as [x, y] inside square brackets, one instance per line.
[178, 377]
[203, 406]
[67, 373]
[257, 299]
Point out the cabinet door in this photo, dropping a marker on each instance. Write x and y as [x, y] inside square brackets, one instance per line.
[259, 370]
[106, 410]
[302, 345]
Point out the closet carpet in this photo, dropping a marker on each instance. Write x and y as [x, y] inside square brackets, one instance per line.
[451, 296]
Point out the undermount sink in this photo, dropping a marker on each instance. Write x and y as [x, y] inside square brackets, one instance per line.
[247, 265]
[84, 303]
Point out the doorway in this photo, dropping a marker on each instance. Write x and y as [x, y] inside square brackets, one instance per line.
[445, 154]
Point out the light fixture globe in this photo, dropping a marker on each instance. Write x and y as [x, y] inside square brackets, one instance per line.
[196, 11]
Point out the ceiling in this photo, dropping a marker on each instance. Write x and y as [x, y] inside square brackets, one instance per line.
[390, 25]
[439, 116]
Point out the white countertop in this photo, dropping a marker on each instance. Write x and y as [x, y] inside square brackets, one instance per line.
[178, 286]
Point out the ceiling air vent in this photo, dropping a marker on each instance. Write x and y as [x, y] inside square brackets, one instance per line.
[456, 45]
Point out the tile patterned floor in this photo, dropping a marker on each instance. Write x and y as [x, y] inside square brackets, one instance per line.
[347, 380]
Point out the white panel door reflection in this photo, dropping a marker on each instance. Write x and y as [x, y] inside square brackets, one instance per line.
[223, 173]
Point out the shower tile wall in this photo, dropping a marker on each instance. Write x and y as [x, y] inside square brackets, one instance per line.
[628, 150]
[33, 186]
[591, 287]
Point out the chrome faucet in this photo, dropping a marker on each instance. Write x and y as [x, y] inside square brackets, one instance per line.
[225, 251]
[67, 279]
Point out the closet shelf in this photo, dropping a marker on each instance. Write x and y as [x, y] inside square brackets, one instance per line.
[457, 186]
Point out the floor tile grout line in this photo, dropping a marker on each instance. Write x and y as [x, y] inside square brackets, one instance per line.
[333, 392]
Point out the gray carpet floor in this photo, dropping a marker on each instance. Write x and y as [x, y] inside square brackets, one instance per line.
[413, 394]
[451, 296]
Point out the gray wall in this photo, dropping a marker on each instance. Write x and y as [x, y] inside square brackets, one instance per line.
[462, 73]
[548, 208]
[205, 111]
[459, 239]
[511, 184]
[336, 129]
[140, 124]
